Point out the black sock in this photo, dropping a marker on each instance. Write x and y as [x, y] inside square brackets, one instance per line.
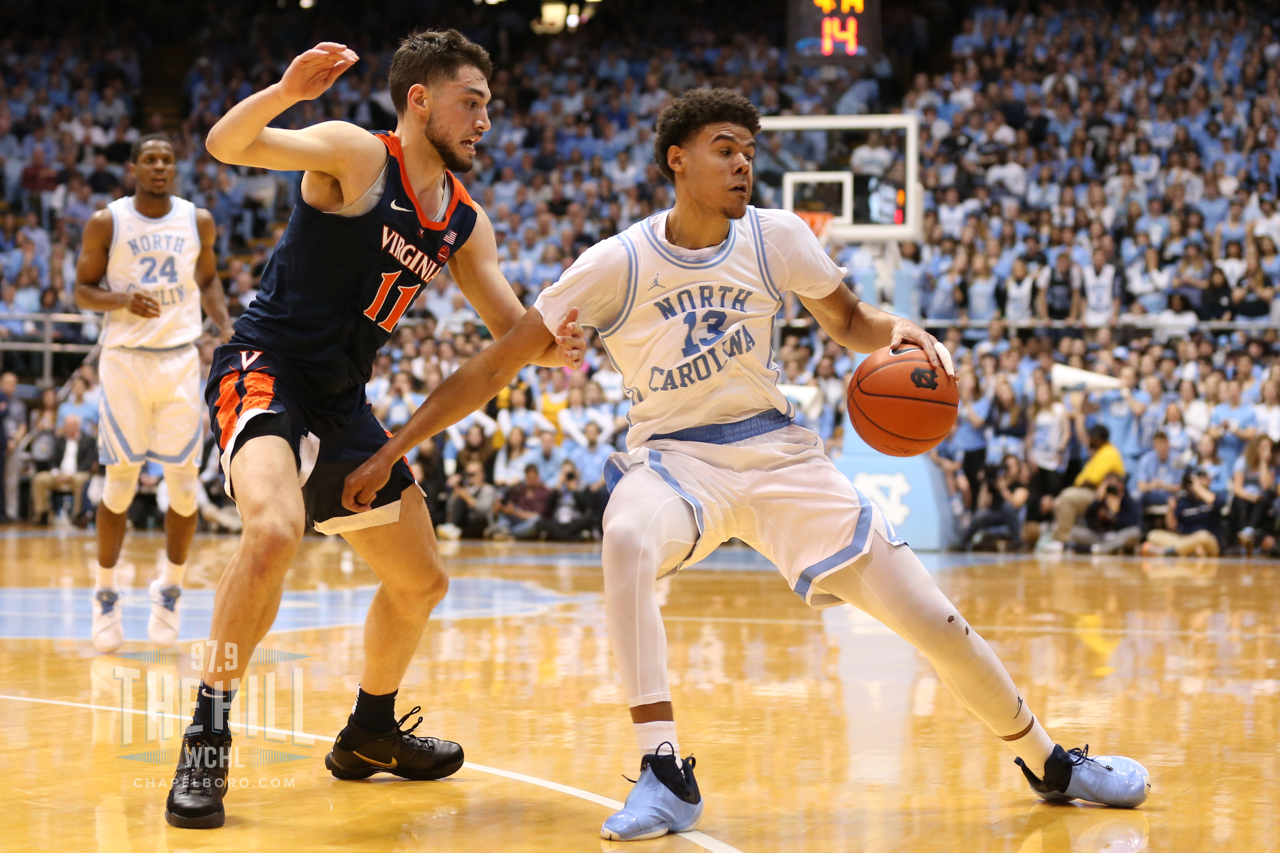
[208, 717]
[375, 713]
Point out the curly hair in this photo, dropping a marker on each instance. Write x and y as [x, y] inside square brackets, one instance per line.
[429, 56]
[681, 120]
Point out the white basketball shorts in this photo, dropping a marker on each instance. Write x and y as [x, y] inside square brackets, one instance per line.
[150, 406]
[777, 491]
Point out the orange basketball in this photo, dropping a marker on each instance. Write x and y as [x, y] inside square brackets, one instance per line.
[900, 404]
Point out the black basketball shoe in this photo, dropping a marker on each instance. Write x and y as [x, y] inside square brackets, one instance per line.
[359, 753]
[195, 800]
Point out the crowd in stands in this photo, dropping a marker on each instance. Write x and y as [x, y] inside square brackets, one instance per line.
[1100, 192]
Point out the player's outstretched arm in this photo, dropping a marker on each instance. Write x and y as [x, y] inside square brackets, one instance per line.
[467, 389]
[91, 268]
[212, 297]
[861, 327]
[242, 138]
[479, 276]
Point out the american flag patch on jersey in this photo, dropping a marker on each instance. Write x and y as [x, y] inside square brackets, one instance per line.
[450, 237]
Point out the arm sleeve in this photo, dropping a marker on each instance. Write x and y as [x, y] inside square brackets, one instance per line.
[793, 257]
[597, 284]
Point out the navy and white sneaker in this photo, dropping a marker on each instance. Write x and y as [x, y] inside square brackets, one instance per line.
[665, 799]
[162, 625]
[107, 630]
[1109, 780]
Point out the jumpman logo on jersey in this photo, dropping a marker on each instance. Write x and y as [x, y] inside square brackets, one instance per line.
[248, 358]
[655, 282]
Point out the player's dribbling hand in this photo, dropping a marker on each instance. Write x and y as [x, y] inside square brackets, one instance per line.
[907, 332]
[571, 340]
[362, 484]
[312, 72]
[142, 305]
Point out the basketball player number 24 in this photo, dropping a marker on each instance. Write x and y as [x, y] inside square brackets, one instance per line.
[715, 326]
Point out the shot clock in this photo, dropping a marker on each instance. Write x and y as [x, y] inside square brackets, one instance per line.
[829, 32]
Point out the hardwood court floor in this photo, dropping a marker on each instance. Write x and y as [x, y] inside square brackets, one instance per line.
[813, 731]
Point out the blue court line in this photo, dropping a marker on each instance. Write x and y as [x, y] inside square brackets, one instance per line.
[66, 613]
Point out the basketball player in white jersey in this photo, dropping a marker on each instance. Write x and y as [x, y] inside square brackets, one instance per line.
[147, 262]
[685, 303]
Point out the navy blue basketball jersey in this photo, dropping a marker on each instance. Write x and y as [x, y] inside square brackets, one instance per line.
[336, 286]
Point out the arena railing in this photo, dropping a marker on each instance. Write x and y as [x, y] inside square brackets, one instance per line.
[1128, 323]
[43, 342]
[1152, 324]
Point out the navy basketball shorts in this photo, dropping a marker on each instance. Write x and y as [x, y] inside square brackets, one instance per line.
[249, 395]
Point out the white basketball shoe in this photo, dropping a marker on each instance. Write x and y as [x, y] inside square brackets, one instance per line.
[107, 631]
[162, 625]
[1109, 780]
[665, 799]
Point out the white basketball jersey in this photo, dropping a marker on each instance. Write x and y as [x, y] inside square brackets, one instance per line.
[157, 256]
[1099, 294]
[692, 332]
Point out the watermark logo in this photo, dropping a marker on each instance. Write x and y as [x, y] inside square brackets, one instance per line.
[265, 713]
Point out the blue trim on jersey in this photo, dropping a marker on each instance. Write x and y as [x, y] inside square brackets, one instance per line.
[762, 259]
[894, 538]
[613, 473]
[115, 232]
[633, 275]
[725, 248]
[842, 557]
[173, 208]
[655, 462]
[154, 350]
[195, 228]
[777, 371]
[115, 428]
[105, 454]
[178, 458]
[760, 424]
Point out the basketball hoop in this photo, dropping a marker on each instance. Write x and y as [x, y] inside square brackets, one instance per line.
[818, 221]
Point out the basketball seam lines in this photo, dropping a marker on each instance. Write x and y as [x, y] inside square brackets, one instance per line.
[894, 434]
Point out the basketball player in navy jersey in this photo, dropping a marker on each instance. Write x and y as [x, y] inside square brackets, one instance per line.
[380, 215]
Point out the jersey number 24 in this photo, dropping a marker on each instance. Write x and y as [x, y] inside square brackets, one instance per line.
[168, 270]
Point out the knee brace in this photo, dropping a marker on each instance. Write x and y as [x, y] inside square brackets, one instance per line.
[183, 481]
[120, 486]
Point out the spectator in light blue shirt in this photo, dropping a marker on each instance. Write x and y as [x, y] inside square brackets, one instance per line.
[547, 457]
[1213, 207]
[1119, 410]
[591, 457]
[77, 405]
[1158, 474]
[1233, 423]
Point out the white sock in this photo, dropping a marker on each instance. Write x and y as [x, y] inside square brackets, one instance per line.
[652, 735]
[105, 578]
[171, 574]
